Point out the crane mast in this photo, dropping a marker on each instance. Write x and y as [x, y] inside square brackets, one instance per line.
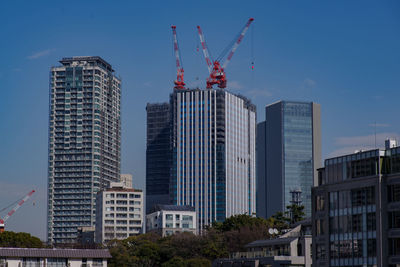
[11, 212]
[179, 82]
[216, 71]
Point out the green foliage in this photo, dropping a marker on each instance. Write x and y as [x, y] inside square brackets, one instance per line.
[186, 249]
[174, 262]
[296, 213]
[19, 240]
[238, 221]
[198, 262]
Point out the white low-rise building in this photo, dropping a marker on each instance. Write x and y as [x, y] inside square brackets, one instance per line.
[37, 257]
[119, 213]
[169, 219]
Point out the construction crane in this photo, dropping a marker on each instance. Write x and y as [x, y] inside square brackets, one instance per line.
[20, 202]
[216, 71]
[179, 83]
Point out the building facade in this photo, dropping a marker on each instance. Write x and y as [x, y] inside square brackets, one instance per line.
[158, 155]
[127, 180]
[27, 257]
[288, 155]
[213, 153]
[356, 210]
[120, 213]
[84, 142]
[169, 219]
[290, 249]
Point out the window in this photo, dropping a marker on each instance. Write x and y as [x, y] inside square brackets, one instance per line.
[371, 221]
[169, 217]
[320, 205]
[394, 219]
[394, 193]
[320, 227]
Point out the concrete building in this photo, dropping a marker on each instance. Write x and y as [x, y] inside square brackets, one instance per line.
[169, 219]
[290, 249]
[288, 155]
[127, 180]
[119, 214]
[32, 257]
[158, 155]
[356, 210]
[213, 138]
[84, 142]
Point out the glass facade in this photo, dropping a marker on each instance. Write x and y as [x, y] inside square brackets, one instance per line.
[352, 227]
[213, 154]
[84, 142]
[360, 223]
[298, 152]
[158, 154]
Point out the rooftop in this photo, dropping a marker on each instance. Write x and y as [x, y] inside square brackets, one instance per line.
[270, 242]
[96, 59]
[160, 207]
[121, 189]
[54, 253]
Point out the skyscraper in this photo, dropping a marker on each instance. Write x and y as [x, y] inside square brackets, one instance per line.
[84, 142]
[288, 154]
[213, 153]
[158, 155]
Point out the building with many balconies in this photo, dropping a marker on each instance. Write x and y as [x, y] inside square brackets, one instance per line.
[119, 213]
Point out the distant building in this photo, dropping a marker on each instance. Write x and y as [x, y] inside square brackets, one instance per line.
[84, 142]
[201, 153]
[170, 219]
[53, 257]
[288, 155]
[290, 249]
[119, 213]
[356, 210]
[86, 236]
[158, 155]
[127, 180]
[214, 168]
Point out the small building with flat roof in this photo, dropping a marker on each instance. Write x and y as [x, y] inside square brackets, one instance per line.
[16, 257]
[170, 219]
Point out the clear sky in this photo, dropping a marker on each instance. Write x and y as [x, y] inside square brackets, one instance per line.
[341, 54]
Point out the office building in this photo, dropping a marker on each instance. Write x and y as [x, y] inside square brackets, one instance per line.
[119, 213]
[213, 138]
[127, 180]
[356, 210]
[158, 155]
[288, 155]
[84, 142]
[169, 219]
[201, 153]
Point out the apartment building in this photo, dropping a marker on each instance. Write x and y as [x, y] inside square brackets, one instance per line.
[84, 142]
[119, 213]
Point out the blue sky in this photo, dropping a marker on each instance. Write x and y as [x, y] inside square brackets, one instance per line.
[341, 54]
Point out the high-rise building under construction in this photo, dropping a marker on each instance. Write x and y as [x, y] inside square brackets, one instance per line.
[84, 142]
[212, 140]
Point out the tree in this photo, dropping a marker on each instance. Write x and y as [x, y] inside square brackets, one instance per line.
[296, 213]
[19, 240]
[198, 262]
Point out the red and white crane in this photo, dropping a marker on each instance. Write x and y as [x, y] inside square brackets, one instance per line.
[11, 212]
[216, 71]
[179, 83]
